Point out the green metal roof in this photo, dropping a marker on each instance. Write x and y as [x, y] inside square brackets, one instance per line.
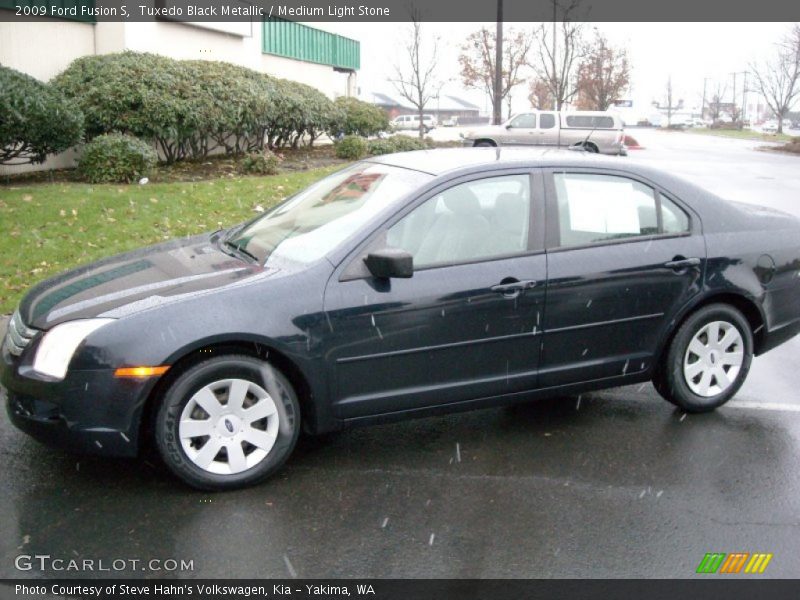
[301, 42]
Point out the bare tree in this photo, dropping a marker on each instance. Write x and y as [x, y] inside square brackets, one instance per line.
[539, 95]
[558, 49]
[777, 79]
[416, 78]
[603, 74]
[716, 104]
[478, 62]
[670, 105]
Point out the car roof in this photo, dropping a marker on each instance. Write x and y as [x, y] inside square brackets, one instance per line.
[441, 161]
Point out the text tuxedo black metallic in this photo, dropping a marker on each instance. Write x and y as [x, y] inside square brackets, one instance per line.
[405, 285]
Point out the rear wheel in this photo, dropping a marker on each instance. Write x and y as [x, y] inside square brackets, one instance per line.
[484, 144]
[227, 422]
[708, 359]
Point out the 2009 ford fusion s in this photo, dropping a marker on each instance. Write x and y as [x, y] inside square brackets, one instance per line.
[405, 285]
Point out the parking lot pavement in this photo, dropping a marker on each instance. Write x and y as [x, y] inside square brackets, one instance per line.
[608, 484]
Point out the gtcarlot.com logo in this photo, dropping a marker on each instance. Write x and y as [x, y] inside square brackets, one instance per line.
[46, 562]
[734, 563]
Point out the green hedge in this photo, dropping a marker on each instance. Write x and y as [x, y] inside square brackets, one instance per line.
[397, 143]
[35, 119]
[189, 108]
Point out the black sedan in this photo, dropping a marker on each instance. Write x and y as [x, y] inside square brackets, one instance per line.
[405, 285]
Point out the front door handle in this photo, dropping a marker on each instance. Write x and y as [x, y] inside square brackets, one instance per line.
[679, 263]
[512, 289]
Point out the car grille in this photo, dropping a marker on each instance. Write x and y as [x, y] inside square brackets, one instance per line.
[18, 335]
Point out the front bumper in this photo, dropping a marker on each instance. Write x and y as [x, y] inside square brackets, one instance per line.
[89, 411]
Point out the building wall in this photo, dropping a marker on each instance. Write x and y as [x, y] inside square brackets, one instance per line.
[46, 47]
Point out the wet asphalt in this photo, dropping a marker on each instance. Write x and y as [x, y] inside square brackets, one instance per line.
[609, 484]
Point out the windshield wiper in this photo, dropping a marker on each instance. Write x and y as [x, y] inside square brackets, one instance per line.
[240, 250]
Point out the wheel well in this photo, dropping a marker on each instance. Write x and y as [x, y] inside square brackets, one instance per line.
[747, 307]
[484, 141]
[256, 350]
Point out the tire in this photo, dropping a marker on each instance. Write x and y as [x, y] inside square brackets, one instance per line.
[698, 374]
[247, 452]
[590, 148]
[484, 144]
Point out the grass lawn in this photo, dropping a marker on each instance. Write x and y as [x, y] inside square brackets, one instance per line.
[47, 228]
[743, 134]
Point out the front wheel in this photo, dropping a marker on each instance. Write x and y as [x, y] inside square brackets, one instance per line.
[227, 423]
[708, 359]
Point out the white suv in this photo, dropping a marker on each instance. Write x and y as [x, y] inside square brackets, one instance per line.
[412, 122]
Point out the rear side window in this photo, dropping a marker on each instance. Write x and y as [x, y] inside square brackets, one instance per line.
[547, 121]
[598, 208]
[590, 121]
[674, 220]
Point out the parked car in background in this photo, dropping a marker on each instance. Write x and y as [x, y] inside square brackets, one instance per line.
[594, 131]
[404, 285]
[450, 122]
[770, 127]
[411, 122]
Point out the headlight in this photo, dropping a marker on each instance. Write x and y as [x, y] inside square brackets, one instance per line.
[59, 344]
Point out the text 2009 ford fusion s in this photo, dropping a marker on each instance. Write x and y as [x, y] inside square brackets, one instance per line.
[404, 285]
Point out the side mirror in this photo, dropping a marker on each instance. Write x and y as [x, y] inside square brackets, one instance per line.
[508, 126]
[390, 262]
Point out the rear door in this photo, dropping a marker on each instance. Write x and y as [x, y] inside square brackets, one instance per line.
[623, 258]
[548, 129]
[467, 325]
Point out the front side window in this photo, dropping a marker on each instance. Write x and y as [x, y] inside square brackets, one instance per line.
[471, 221]
[598, 208]
[322, 216]
[527, 121]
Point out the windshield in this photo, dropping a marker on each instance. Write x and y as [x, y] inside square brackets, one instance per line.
[319, 218]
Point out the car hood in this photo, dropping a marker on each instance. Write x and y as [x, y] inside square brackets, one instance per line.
[134, 281]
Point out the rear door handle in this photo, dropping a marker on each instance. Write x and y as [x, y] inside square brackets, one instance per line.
[513, 288]
[682, 263]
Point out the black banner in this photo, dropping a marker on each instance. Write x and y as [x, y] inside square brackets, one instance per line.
[401, 10]
[396, 589]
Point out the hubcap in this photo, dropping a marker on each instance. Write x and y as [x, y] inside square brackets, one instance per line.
[228, 426]
[713, 359]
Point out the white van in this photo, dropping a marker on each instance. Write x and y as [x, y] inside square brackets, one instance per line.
[412, 122]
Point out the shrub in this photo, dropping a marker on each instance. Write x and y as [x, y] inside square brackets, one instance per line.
[35, 119]
[405, 143]
[397, 143]
[351, 147]
[355, 117]
[381, 146]
[116, 158]
[261, 163]
[145, 95]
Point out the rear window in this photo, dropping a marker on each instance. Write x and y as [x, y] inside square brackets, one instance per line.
[590, 121]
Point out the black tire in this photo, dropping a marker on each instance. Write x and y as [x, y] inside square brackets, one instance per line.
[484, 144]
[590, 147]
[671, 382]
[180, 393]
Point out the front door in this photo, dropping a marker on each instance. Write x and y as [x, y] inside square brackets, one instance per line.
[522, 130]
[622, 260]
[467, 325]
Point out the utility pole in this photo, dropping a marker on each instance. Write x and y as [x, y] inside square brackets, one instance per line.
[555, 82]
[498, 66]
[703, 106]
